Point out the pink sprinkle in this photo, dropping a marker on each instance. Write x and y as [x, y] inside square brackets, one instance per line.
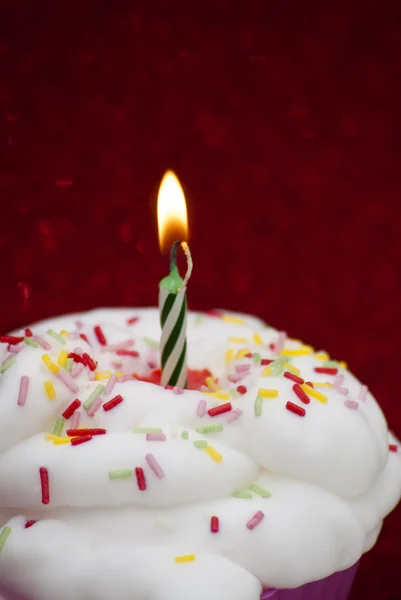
[236, 377]
[156, 437]
[120, 346]
[178, 390]
[110, 385]
[351, 404]
[126, 377]
[16, 348]
[6, 358]
[75, 419]
[279, 346]
[78, 351]
[338, 381]
[256, 519]
[23, 390]
[96, 404]
[79, 325]
[362, 393]
[91, 375]
[233, 415]
[68, 382]
[154, 465]
[39, 340]
[343, 391]
[77, 369]
[242, 368]
[201, 410]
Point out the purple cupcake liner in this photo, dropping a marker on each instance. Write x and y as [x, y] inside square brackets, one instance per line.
[334, 587]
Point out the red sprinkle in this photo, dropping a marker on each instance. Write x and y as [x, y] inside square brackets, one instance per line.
[213, 313]
[76, 357]
[326, 370]
[132, 320]
[85, 432]
[92, 364]
[28, 333]
[214, 524]
[69, 411]
[265, 361]
[297, 410]
[29, 524]
[393, 447]
[100, 335]
[123, 352]
[272, 347]
[83, 337]
[140, 478]
[293, 377]
[242, 389]
[219, 410]
[300, 393]
[80, 440]
[10, 339]
[168, 387]
[113, 402]
[249, 355]
[44, 482]
[309, 383]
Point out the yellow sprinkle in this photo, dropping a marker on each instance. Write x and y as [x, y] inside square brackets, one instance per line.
[59, 441]
[234, 340]
[49, 437]
[302, 351]
[235, 320]
[266, 393]
[211, 384]
[62, 357]
[50, 364]
[64, 333]
[118, 373]
[185, 558]
[101, 375]
[318, 384]
[242, 353]
[312, 392]
[257, 339]
[213, 453]
[218, 395]
[50, 391]
[321, 356]
[229, 355]
[292, 369]
[266, 372]
[343, 364]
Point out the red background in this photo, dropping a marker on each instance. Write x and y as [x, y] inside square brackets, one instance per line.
[283, 124]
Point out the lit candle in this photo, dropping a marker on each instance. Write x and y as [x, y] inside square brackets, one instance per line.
[173, 231]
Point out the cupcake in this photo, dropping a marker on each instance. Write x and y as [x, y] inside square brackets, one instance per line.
[269, 477]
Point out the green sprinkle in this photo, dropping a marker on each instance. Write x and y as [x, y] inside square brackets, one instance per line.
[277, 366]
[56, 336]
[258, 406]
[210, 428]
[151, 343]
[256, 489]
[233, 393]
[257, 359]
[58, 428]
[68, 365]
[184, 435]
[30, 342]
[330, 364]
[200, 443]
[147, 430]
[5, 534]
[243, 495]
[120, 473]
[99, 389]
[9, 363]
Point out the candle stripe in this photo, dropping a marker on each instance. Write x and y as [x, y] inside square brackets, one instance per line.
[173, 339]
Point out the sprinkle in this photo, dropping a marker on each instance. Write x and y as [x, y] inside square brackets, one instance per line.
[292, 369]
[265, 361]
[242, 368]
[218, 395]
[237, 340]
[85, 338]
[331, 364]
[257, 339]
[76, 441]
[234, 320]
[156, 437]
[212, 428]
[94, 407]
[89, 362]
[326, 370]
[211, 384]
[266, 372]
[9, 363]
[76, 370]
[343, 364]
[201, 410]
[297, 410]
[120, 473]
[140, 478]
[23, 390]
[16, 349]
[44, 483]
[80, 432]
[62, 358]
[267, 393]
[258, 406]
[256, 489]
[212, 452]
[113, 402]
[184, 435]
[56, 336]
[243, 495]
[58, 428]
[75, 419]
[10, 339]
[64, 333]
[218, 410]
[100, 335]
[68, 365]
[28, 332]
[200, 444]
[362, 393]
[338, 380]
[99, 389]
[147, 430]
[242, 353]
[5, 534]
[154, 465]
[351, 404]
[229, 356]
[241, 389]
[312, 392]
[302, 351]
[109, 387]
[151, 343]
[30, 523]
[321, 384]
[61, 441]
[68, 381]
[279, 345]
[293, 377]
[300, 393]
[322, 356]
[29, 341]
[184, 559]
[50, 364]
[393, 447]
[132, 320]
[214, 524]
[256, 519]
[177, 390]
[49, 389]
[76, 356]
[233, 415]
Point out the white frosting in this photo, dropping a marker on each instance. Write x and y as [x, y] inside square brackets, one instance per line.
[331, 476]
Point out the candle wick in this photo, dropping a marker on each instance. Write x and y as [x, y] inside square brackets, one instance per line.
[188, 257]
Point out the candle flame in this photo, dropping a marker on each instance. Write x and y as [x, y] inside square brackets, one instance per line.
[172, 218]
